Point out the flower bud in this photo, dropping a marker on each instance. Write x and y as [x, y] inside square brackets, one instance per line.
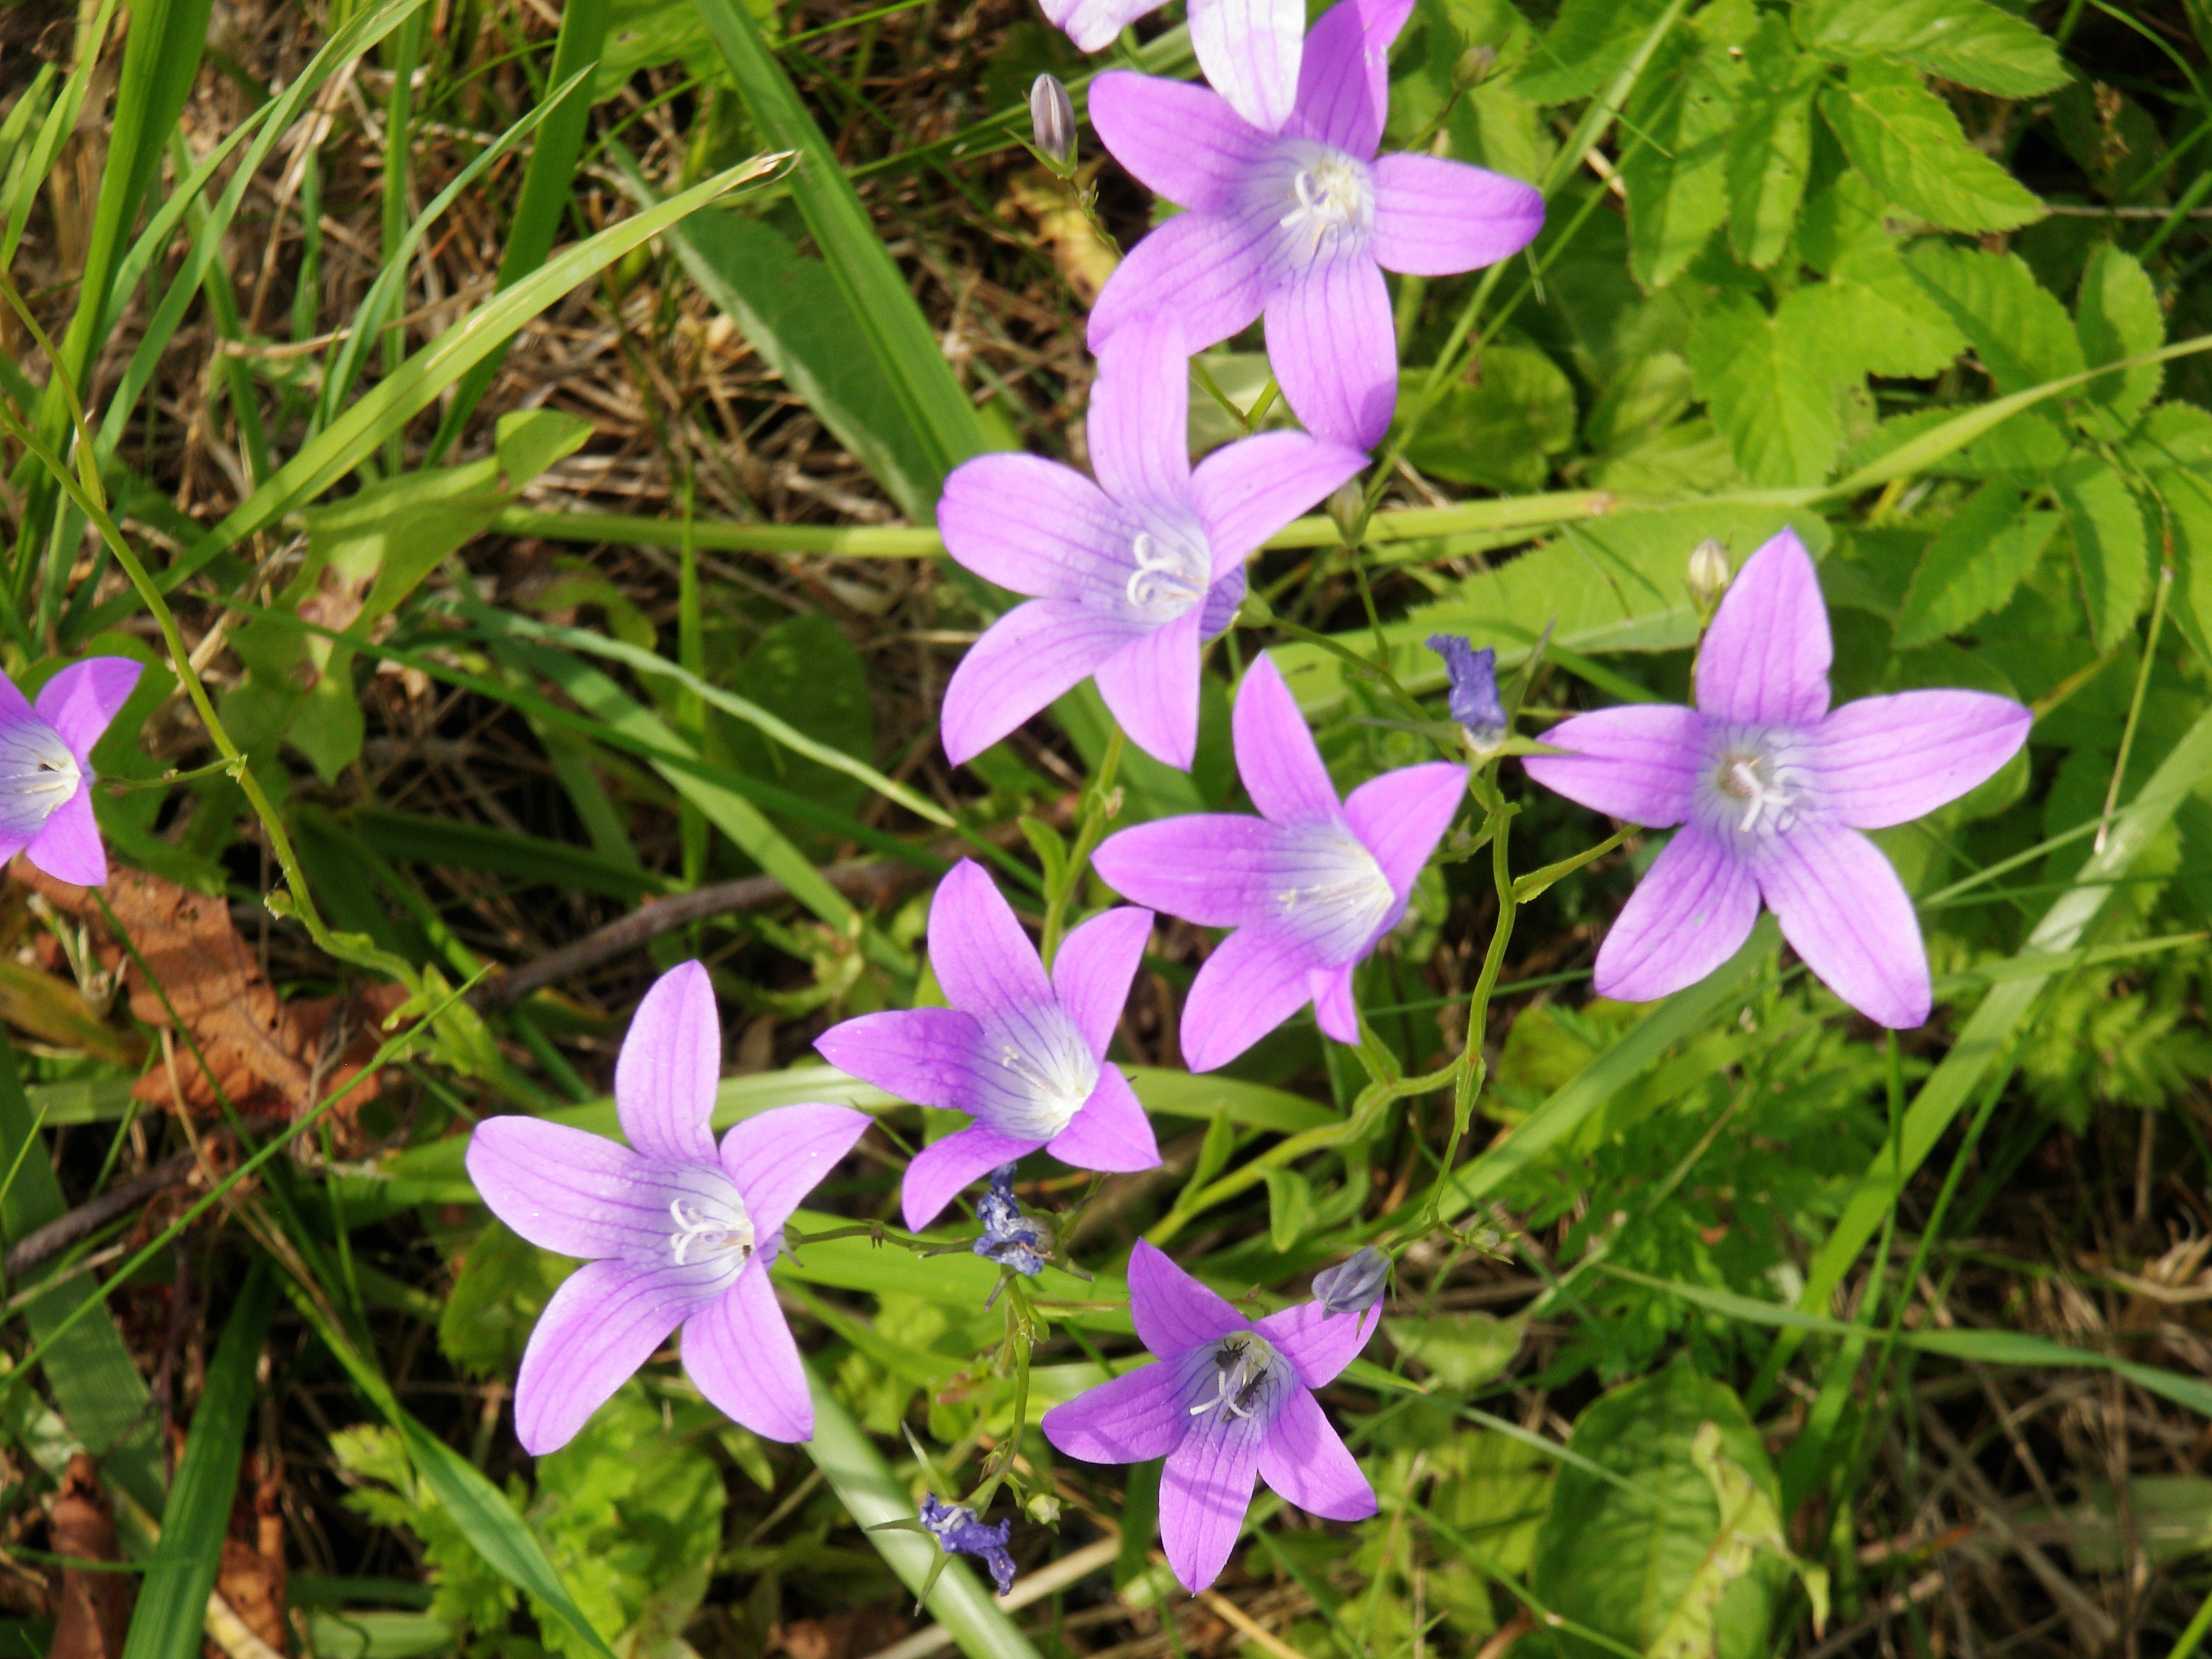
[1052, 120]
[1473, 66]
[1355, 1284]
[1709, 574]
[1473, 700]
[1348, 508]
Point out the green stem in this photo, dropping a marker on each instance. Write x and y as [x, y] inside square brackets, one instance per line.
[1100, 807]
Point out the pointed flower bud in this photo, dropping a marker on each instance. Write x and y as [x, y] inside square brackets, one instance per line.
[1052, 121]
[1709, 574]
[1347, 508]
[959, 1533]
[1473, 702]
[1473, 66]
[1355, 1284]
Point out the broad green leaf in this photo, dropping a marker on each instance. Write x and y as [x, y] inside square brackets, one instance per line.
[1498, 431]
[2018, 329]
[1908, 144]
[1750, 1525]
[1770, 150]
[806, 671]
[2118, 316]
[1289, 1208]
[1767, 381]
[1621, 1561]
[2109, 547]
[2186, 498]
[1461, 1351]
[1592, 41]
[1974, 563]
[1876, 317]
[196, 1519]
[1968, 41]
[1674, 163]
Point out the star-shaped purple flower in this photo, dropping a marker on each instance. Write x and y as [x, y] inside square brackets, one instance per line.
[676, 1232]
[1250, 49]
[1299, 226]
[1023, 1053]
[1771, 790]
[1309, 886]
[46, 767]
[1131, 573]
[1230, 1398]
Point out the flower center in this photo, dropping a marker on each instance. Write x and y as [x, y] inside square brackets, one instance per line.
[709, 1227]
[1043, 1071]
[1170, 573]
[1330, 197]
[1335, 892]
[1243, 1362]
[1756, 782]
[37, 774]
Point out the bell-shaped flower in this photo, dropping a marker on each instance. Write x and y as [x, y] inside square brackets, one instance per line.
[1131, 574]
[46, 766]
[1230, 1398]
[1299, 226]
[959, 1531]
[1771, 789]
[675, 1231]
[1021, 1052]
[1250, 49]
[1310, 885]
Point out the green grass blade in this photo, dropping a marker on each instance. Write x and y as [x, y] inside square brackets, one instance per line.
[547, 183]
[389, 405]
[871, 1493]
[173, 1600]
[945, 424]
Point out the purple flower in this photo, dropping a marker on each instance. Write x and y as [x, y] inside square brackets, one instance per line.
[1771, 791]
[1355, 1284]
[1010, 1238]
[1473, 700]
[676, 1232]
[1230, 1398]
[1250, 49]
[1309, 886]
[959, 1533]
[1132, 573]
[1299, 227]
[46, 767]
[1023, 1055]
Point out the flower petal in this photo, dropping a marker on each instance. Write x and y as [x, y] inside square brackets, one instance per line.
[1208, 267]
[1638, 763]
[1174, 1313]
[1276, 755]
[1205, 1491]
[1109, 1131]
[1436, 218]
[1692, 911]
[1097, 961]
[926, 1056]
[1218, 869]
[15, 707]
[1036, 526]
[1319, 1344]
[1248, 490]
[1888, 760]
[1843, 909]
[603, 1322]
[1305, 1460]
[1343, 78]
[1093, 24]
[1255, 980]
[739, 1350]
[80, 702]
[1334, 349]
[1178, 139]
[1150, 685]
[978, 953]
[1334, 1010]
[777, 1156]
[1764, 660]
[941, 1169]
[1139, 420]
[1402, 816]
[1030, 655]
[566, 1190]
[669, 1066]
[67, 845]
[1249, 50]
[1130, 1418]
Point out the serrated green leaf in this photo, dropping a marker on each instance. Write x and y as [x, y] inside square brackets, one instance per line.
[2016, 326]
[1768, 382]
[1971, 566]
[2173, 435]
[1770, 150]
[1675, 165]
[1974, 44]
[1461, 1351]
[2187, 500]
[2109, 547]
[1908, 144]
[1588, 45]
[2118, 316]
[1498, 432]
[1872, 313]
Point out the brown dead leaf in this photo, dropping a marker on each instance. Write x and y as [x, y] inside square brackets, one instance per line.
[840, 1636]
[1084, 259]
[252, 1576]
[93, 1613]
[270, 1057]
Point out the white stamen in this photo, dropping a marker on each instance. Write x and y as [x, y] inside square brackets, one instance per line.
[1757, 781]
[1167, 572]
[711, 1234]
[1333, 196]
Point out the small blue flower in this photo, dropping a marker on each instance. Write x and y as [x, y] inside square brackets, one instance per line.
[1473, 702]
[960, 1532]
[1011, 1238]
[1355, 1284]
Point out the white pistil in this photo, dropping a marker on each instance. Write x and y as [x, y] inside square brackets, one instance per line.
[1757, 779]
[1167, 572]
[711, 1235]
